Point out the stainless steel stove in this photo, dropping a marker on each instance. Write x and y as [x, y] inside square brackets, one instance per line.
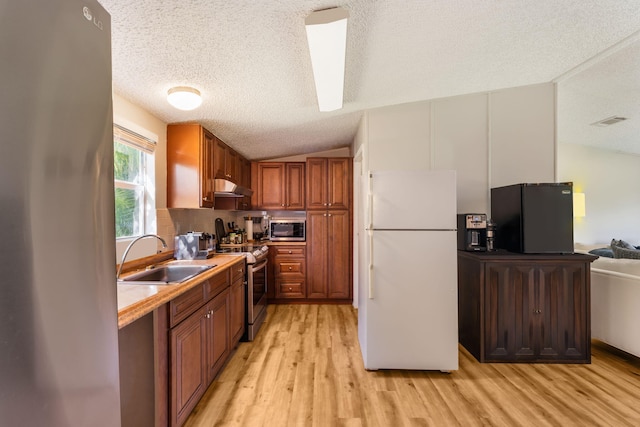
[256, 280]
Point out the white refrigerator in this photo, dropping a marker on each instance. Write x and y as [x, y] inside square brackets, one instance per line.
[408, 305]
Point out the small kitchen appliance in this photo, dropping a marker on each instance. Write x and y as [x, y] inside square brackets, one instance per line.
[472, 232]
[287, 229]
[194, 245]
[534, 218]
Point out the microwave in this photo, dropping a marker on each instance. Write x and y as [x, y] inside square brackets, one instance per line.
[287, 230]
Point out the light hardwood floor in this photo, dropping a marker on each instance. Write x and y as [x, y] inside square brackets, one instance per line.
[305, 369]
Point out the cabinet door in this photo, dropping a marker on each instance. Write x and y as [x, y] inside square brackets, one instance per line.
[339, 255]
[317, 238]
[510, 299]
[217, 315]
[188, 361]
[237, 306]
[206, 167]
[339, 183]
[561, 312]
[295, 186]
[232, 165]
[316, 183]
[220, 159]
[271, 188]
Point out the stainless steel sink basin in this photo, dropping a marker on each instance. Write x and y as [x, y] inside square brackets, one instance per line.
[165, 275]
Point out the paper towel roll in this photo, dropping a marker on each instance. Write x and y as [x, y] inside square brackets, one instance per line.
[248, 227]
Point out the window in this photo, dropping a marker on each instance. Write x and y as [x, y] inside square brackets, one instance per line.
[133, 173]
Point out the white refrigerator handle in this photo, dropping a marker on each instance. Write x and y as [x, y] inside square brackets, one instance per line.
[370, 264]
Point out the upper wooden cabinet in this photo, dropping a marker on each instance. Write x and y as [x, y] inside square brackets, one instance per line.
[329, 183]
[279, 185]
[190, 151]
[226, 162]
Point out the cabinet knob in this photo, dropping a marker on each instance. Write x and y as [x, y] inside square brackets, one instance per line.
[290, 269]
[329, 215]
[290, 289]
[289, 251]
[324, 214]
[206, 199]
[282, 205]
[329, 204]
[324, 204]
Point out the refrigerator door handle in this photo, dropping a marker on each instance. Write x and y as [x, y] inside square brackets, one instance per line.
[370, 264]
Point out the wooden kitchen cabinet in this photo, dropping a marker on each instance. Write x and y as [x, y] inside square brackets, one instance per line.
[190, 157]
[279, 186]
[525, 308]
[205, 323]
[329, 183]
[226, 162]
[289, 264]
[237, 304]
[329, 255]
[188, 365]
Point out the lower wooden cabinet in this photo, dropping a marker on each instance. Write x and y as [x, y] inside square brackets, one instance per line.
[525, 308]
[205, 323]
[289, 271]
[237, 302]
[188, 343]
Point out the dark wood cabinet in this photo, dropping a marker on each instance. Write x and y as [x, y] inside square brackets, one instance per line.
[190, 156]
[279, 186]
[329, 255]
[289, 265]
[525, 308]
[329, 183]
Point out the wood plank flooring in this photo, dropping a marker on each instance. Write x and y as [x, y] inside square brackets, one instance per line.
[305, 369]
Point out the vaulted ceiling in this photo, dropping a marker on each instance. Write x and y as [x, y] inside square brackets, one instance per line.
[250, 59]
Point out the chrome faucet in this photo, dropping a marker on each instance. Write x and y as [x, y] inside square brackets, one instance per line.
[126, 251]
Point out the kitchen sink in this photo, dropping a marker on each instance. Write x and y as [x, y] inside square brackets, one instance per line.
[165, 275]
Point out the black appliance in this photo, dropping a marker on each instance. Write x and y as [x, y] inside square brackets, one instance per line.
[472, 232]
[534, 218]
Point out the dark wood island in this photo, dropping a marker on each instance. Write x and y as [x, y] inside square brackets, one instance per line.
[527, 308]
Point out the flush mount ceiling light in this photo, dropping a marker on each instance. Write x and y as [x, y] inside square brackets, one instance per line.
[327, 38]
[184, 98]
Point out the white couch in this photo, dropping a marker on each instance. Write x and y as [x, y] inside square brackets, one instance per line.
[615, 301]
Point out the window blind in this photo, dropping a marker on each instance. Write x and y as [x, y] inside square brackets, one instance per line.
[135, 140]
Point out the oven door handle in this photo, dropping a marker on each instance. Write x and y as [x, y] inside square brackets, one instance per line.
[259, 266]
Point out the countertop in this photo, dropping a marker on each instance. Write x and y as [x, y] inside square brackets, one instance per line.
[136, 301]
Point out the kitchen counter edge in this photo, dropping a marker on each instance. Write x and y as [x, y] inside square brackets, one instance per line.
[136, 301]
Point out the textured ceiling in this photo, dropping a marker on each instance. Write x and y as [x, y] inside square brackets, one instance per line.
[609, 87]
[250, 60]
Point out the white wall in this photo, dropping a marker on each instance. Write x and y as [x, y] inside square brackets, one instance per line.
[490, 139]
[611, 184]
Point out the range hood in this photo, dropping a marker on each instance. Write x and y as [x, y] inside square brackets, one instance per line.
[225, 188]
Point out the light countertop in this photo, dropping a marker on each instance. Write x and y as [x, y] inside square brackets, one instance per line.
[135, 301]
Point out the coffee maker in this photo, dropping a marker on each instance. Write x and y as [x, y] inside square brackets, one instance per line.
[472, 232]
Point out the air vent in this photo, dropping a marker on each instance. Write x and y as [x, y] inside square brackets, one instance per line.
[609, 121]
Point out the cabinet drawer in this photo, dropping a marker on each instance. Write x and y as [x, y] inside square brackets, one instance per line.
[289, 267]
[290, 251]
[182, 306]
[290, 288]
[216, 284]
[238, 272]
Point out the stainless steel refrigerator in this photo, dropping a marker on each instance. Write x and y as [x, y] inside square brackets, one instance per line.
[58, 310]
[408, 309]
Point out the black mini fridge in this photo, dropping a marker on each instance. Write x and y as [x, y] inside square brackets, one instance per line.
[534, 218]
